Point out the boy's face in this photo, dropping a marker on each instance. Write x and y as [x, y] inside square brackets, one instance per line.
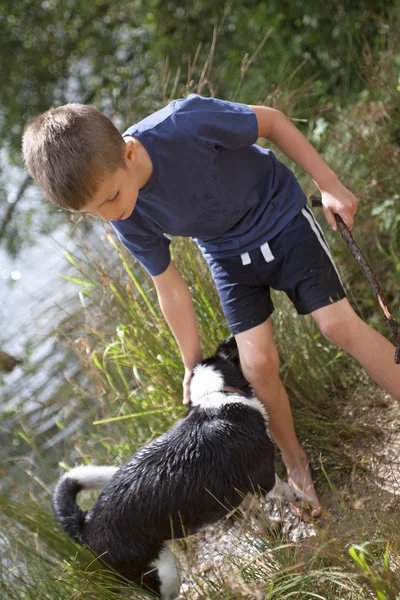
[117, 193]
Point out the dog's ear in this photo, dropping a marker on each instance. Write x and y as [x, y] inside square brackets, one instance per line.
[228, 350]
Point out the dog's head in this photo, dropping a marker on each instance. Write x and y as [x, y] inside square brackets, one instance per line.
[220, 372]
[229, 351]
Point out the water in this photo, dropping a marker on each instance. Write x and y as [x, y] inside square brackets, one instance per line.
[30, 290]
[31, 296]
[29, 285]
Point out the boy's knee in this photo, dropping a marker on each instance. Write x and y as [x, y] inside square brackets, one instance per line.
[338, 332]
[259, 365]
[339, 324]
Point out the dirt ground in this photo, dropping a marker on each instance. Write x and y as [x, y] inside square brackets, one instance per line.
[374, 482]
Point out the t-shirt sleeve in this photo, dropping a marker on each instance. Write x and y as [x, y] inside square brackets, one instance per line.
[230, 125]
[149, 248]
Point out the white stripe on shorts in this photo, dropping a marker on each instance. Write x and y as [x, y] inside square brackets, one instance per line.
[316, 229]
[246, 260]
[266, 252]
[317, 225]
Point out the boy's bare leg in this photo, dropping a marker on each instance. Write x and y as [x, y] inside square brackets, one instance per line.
[260, 364]
[344, 328]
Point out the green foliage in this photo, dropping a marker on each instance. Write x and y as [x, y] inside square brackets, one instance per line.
[375, 565]
[129, 58]
[122, 338]
[46, 564]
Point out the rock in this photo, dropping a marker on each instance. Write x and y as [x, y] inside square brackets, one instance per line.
[7, 362]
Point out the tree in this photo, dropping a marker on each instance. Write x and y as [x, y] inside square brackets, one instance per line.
[129, 57]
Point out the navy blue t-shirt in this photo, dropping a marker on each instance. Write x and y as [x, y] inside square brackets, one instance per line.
[210, 182]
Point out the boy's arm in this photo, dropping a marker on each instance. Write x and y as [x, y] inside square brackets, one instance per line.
[177, 307]
[336, 198]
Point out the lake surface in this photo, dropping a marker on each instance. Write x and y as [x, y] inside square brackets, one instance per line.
[29, 285]
[33, 298]
[31, 292]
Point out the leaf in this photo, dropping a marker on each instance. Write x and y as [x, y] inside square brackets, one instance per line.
[25, 438]
[97, 361]
[134, 415]
[77, 281]
[359, 559]
[70, 259]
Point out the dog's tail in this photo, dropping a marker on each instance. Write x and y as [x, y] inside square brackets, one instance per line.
[66, 510]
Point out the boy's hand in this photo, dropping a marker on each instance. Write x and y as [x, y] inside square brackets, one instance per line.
[337, 199]
[186, 385]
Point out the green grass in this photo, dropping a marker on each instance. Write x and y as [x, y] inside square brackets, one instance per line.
[135, 370]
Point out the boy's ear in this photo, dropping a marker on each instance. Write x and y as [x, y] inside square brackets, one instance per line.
[130, 152]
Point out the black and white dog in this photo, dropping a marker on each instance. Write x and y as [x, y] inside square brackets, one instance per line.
[188, 478]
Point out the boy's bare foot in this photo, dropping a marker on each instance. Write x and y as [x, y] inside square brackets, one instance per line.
[299, 477]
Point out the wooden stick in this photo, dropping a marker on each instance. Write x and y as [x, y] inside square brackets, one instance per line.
[355, 250]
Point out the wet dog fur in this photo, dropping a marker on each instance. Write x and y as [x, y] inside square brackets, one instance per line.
[186, 479]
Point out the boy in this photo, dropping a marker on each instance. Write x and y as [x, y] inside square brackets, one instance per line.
[193, 169]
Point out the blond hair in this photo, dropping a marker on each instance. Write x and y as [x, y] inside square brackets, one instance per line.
[69, 150]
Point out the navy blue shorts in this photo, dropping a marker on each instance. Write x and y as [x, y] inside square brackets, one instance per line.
[297, 261]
